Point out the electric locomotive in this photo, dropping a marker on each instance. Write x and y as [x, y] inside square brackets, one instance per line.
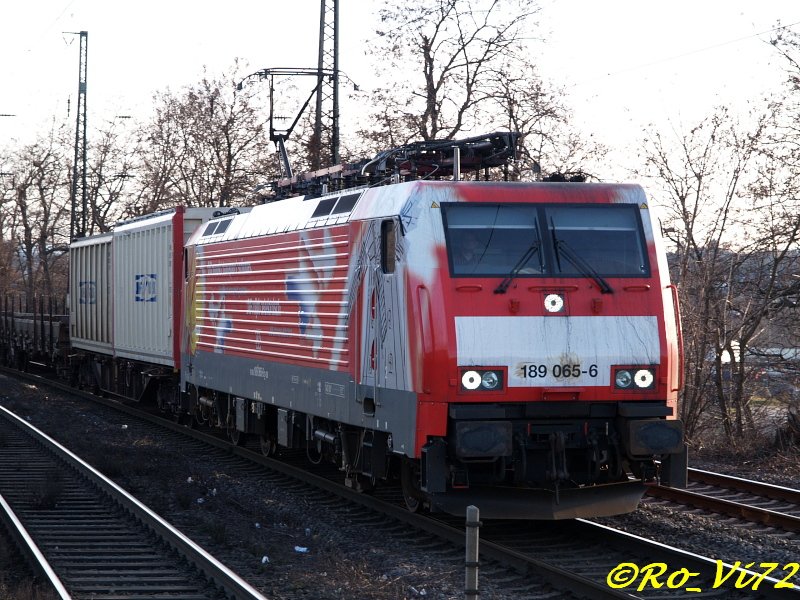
[510, 345]
[515, 346]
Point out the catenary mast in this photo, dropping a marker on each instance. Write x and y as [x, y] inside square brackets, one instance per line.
[78, 222]
[326, 124]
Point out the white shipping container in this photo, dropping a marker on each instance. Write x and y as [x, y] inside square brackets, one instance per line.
[90, 297]
[148, 276]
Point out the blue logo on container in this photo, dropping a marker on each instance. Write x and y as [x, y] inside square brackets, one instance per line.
[146, 287]
[87, 292]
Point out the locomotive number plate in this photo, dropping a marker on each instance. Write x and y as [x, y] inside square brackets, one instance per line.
[557, 371]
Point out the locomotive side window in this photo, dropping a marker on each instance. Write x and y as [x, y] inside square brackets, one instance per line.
[222, 226]
[216, 227]
[209, 230]
[388, 251]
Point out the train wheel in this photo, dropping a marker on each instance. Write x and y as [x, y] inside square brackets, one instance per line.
[363, 484]
[183, 418]
[269, 447]
[236, 437]
[187, 414]
[409, 482]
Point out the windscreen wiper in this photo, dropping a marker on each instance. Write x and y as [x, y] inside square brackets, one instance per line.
[585, 269]
[532, 249]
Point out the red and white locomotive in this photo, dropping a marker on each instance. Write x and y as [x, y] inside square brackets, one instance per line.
[509, 345]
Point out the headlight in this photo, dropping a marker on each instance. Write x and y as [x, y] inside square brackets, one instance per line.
[623, 379]
[487, 380]
[643, 378]
[553, 303]
[471, 380]
[634, 378]
[490, 380]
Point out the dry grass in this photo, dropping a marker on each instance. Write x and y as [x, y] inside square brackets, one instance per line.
[754, 457]
[26, 590]
[14, 582]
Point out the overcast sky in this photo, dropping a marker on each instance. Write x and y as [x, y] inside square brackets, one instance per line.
[624, 63]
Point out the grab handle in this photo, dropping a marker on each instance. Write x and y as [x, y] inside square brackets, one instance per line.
[679, 327]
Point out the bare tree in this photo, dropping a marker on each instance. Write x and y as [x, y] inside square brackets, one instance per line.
[37, 192]
[204, 147]
[8, 228]
[112, 164]
[463, 67]
[549, 144]
[535, 109]
[453, 50]
[733, 244]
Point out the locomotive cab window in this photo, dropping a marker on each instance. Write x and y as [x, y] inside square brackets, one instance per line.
[324, 208]
[544, 240]
[608, 238]
[493, 239]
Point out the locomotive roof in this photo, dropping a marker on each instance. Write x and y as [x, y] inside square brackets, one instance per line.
[306, 212]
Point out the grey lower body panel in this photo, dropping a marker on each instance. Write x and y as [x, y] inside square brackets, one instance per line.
[319, 392]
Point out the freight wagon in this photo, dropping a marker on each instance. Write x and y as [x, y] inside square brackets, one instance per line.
[125, 295]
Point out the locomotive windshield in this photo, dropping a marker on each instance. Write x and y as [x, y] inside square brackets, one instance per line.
[493, 239]
[535, 240]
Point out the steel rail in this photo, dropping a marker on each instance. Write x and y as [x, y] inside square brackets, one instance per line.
[759, 488]
[224, 578]
[692, 560]
[31, 550]
[561, 578]
[498, 551]
[557, 576]
[731, 508]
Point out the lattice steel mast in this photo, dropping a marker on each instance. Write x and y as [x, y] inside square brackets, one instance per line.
[326, 124]
[78, 223]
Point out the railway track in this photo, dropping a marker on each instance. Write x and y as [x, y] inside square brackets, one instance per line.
[92, 538]
[578, 556]
[569, 557]
[753, 501]
[20, 551]
[612, 557]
